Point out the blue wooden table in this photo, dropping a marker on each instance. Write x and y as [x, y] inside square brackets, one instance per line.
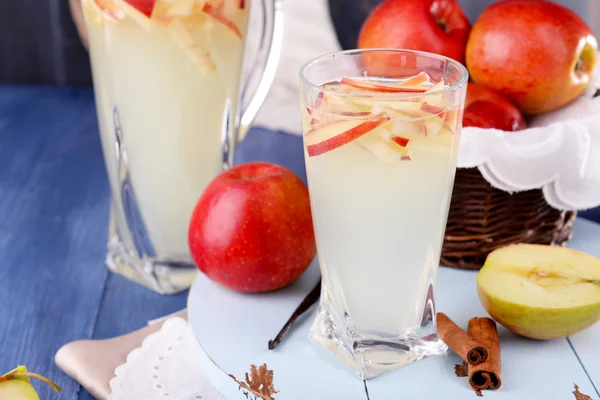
[54, 203]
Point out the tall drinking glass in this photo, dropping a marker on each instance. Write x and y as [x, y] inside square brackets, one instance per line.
[381, 135]
[167, 84]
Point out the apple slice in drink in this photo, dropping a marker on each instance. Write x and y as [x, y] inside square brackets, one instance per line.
[441, 143]
[433, 125]
[407, 127]
[166, 9]
[437, 87]
[418, 80]
[334, 135]
[400, 141]
[432, 109]
[230, 8]
[104, 10]
[138, 10]
[217, 14]
[391, 150]
[440, 100]
[451, 119]
[328, 102]
[144, 6]
[413, 118]
[185, 39]
[380, 87]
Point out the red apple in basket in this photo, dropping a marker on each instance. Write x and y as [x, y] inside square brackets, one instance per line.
[538, 54]
[436, 26]
[485, 108]
[251, 231]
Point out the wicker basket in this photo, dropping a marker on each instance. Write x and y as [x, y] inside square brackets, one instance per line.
[483, 218]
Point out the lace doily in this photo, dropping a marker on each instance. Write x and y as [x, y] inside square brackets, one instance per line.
[163, 368]
[559, 153]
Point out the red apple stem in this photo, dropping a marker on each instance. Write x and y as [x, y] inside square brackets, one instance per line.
[308, 301]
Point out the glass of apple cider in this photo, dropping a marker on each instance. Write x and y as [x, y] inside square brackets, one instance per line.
[381, 137]
[167, 86]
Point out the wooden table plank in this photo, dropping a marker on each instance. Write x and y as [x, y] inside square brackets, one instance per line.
[53, 208]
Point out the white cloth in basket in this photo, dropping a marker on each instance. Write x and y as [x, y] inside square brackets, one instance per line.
[559, 153]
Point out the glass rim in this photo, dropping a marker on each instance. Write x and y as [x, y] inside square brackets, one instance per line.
[448, 89]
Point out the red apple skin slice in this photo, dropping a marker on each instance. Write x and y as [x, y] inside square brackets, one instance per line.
[418, 79]
[216, 14]
[374, 87]
[144, 6]
[400, 141]
[432, 109]
[318, 102]
[332, 142]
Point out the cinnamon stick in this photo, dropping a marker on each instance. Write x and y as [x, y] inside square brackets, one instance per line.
[486, 375]
[469, 349]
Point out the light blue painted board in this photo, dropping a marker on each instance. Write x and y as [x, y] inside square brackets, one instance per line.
[587, 346]
[234, 340]
[546, 369]
[587, 343]
[234, 331]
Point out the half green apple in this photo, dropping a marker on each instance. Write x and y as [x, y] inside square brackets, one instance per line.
[539, 291]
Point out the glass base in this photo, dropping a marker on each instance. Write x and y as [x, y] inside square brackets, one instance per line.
[161, 276]
[371, 358]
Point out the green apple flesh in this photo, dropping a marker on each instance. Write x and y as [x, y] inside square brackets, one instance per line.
[15, 385]
[539, 291]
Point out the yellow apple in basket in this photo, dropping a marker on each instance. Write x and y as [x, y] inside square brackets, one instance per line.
[539, 291]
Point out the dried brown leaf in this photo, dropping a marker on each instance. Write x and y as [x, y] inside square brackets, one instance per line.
[259, 382]
[461, 370]
[478, 393]
[579, 395]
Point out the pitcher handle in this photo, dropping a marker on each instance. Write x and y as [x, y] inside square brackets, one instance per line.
[271, 45]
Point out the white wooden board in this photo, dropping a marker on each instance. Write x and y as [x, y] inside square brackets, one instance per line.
[234, 329]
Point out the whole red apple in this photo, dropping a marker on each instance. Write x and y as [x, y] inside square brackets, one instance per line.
[538, 54]
[485, 108]
[436, 26]
[251, 230]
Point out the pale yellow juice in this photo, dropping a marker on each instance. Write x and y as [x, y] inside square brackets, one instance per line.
[378, 231]
[380, 161]
[168, 85]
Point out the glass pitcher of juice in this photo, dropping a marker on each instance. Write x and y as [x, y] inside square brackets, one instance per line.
[167, 80]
